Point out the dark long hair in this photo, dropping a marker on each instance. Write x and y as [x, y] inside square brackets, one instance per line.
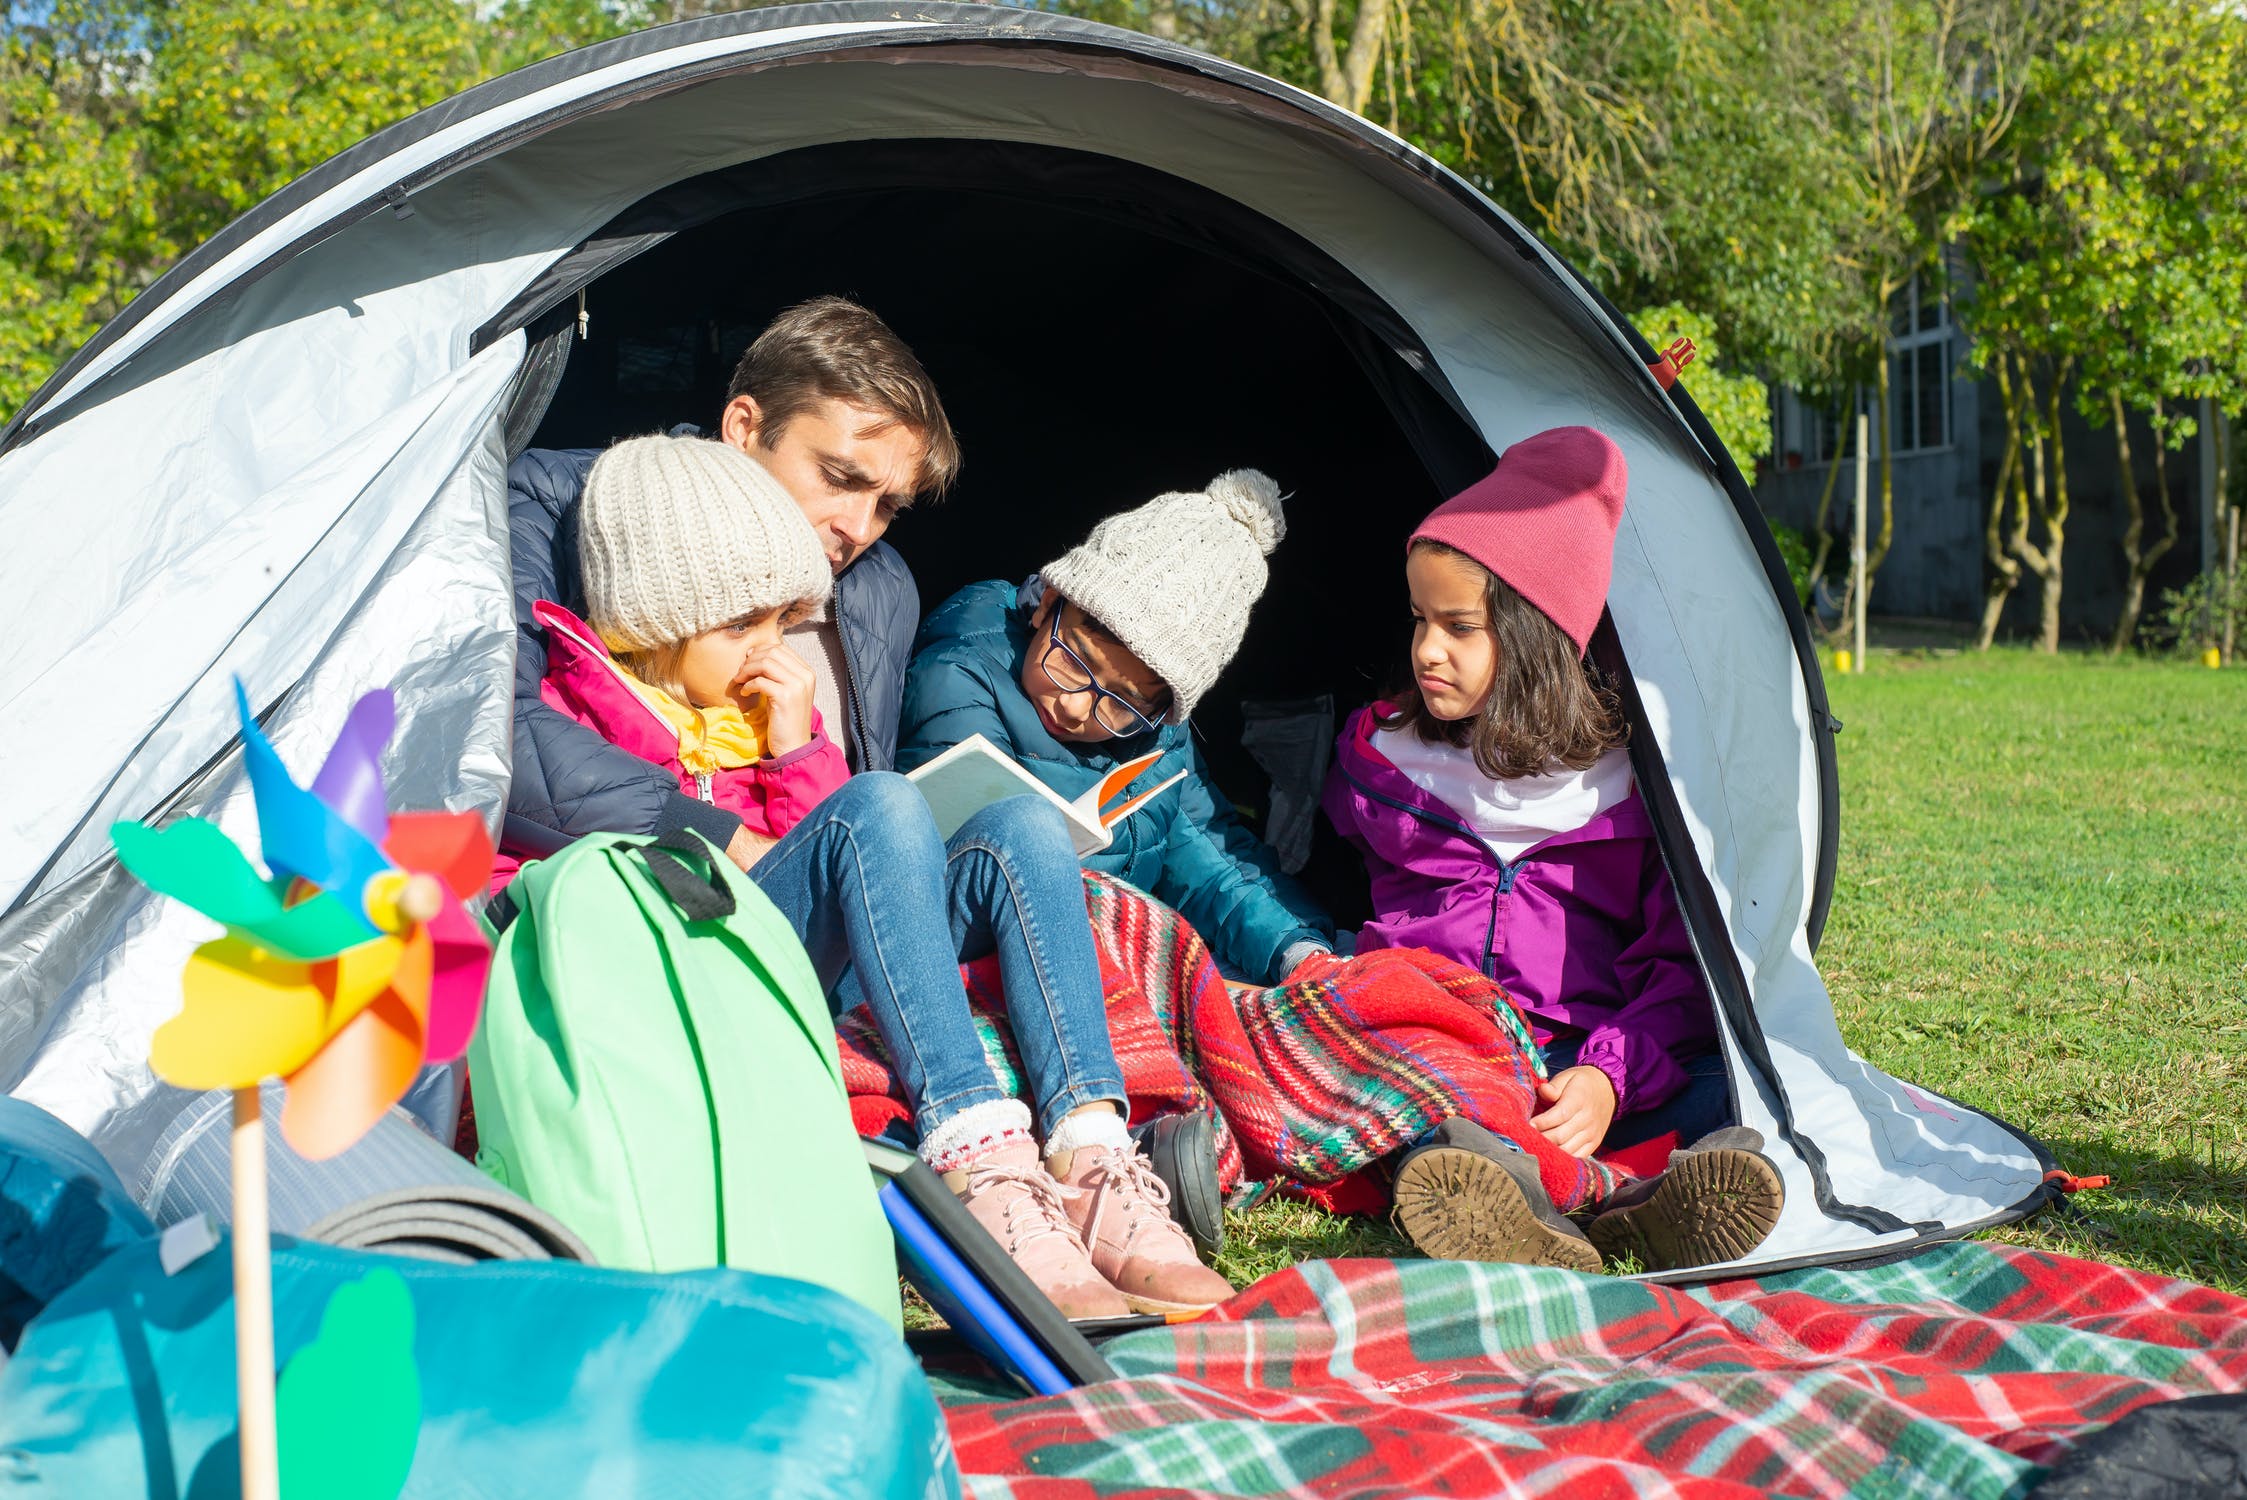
[1549, 705]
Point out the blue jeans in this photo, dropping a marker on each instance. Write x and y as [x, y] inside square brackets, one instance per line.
[1703, 1105]
[888, 911]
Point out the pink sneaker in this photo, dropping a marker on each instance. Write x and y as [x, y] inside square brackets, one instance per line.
[1122, 1213]
[1011, 1195]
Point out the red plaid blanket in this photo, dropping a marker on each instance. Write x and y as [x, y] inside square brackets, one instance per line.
[1312, 1080]
[1956, 1374]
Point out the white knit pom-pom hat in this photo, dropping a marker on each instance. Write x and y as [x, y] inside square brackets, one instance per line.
[1174, 580]
[678, 535]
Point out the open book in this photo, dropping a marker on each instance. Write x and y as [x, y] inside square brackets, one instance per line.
[975, 773]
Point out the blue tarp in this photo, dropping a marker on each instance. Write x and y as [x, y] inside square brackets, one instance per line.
[538, 1379]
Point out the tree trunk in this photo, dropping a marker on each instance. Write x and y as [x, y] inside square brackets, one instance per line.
[1331, 82]
[2133, 532]
[2224, 507]
[1162, 20]
[2044, 561]
[1824, 512]
[1877, 552]
[2005, 570]
[2141, 568]
[2231, 592]
[1347, 78]
[2055, 530]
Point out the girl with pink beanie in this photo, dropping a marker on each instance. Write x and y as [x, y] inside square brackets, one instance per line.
[1502, 829]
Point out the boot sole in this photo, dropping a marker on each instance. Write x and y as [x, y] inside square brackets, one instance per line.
[1456, 1205]
[1713, 1206]
[1196, 1205]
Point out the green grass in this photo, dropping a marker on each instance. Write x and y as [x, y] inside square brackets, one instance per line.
[2041, 909]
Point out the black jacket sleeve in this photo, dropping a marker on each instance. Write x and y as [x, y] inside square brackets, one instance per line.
[565, 776]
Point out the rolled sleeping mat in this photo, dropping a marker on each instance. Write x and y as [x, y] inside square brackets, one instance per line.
[398, 1190]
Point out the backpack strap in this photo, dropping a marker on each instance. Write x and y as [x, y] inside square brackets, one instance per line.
[701, 895]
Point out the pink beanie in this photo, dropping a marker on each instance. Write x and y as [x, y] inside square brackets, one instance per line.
[1544, 520]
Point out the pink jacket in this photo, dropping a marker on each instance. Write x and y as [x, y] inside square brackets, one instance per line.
[771, 796]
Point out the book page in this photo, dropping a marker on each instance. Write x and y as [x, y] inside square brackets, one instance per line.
[974, 774]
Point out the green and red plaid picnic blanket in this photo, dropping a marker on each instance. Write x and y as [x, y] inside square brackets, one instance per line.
[1955, 1374]
[1310, 1081]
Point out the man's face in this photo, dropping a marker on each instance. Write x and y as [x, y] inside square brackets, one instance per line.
[851, 469]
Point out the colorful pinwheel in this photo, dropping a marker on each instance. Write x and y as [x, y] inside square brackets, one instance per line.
[351, 966]
[344, 971]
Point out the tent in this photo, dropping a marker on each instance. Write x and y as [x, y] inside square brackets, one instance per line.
[1127, 265]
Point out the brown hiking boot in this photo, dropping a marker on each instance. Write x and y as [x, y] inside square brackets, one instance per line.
[1122, 1211]
[1719, 1199]
[1010, 1193]
[1466, 1194]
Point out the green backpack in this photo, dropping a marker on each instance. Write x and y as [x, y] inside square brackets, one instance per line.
[657, 1068]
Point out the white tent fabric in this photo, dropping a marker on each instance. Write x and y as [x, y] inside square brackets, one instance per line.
[289, 468]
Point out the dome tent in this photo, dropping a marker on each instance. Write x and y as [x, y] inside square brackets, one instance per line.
[286, 462]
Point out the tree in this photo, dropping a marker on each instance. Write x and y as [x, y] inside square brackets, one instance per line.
[80, 230]
[1923, 93]
[129, 132]
[1759, 197]
[2112, 252]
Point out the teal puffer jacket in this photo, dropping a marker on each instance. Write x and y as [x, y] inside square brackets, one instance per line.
[1186, 848]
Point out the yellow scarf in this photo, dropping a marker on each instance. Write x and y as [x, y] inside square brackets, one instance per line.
[710, 739]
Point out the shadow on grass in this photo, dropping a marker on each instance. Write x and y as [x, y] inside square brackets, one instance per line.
[1284, 1232]
[2174, 1213]
[2171, 1213]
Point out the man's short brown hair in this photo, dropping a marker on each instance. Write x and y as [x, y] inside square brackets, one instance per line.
[831, 349]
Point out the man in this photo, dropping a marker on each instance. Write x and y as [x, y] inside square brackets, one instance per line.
[836, 407]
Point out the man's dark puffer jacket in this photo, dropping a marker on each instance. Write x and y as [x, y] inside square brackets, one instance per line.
[569, 780]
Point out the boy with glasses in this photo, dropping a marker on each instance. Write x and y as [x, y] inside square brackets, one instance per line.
[1101, 657]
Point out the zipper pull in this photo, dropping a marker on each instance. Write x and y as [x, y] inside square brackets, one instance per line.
[584, 319]
[702, 786]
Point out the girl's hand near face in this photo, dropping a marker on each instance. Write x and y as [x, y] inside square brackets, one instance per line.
[1582, 1101]
[786, 681]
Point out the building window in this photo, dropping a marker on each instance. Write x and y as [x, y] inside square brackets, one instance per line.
[1919, 371]
[1806, 432]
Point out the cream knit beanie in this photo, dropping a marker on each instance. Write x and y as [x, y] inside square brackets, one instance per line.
[1174, 579]
[678, 535]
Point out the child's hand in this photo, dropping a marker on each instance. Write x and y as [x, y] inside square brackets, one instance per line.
[1583, 1106]
[785, 680]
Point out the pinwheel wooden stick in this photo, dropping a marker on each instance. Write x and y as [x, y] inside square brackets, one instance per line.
[344, 971]
[260, 1440]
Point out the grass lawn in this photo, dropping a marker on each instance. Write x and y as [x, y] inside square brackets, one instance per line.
[2041, 909]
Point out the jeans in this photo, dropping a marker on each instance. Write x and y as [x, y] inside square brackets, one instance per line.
[888, 911]
[1703, 1105]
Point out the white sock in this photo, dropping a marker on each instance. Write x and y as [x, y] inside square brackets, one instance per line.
[1092, 1127]
[976, 1132]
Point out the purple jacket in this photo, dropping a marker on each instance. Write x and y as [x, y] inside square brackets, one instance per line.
[1583, 930]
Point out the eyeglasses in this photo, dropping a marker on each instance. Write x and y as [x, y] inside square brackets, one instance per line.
[1067, 671]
